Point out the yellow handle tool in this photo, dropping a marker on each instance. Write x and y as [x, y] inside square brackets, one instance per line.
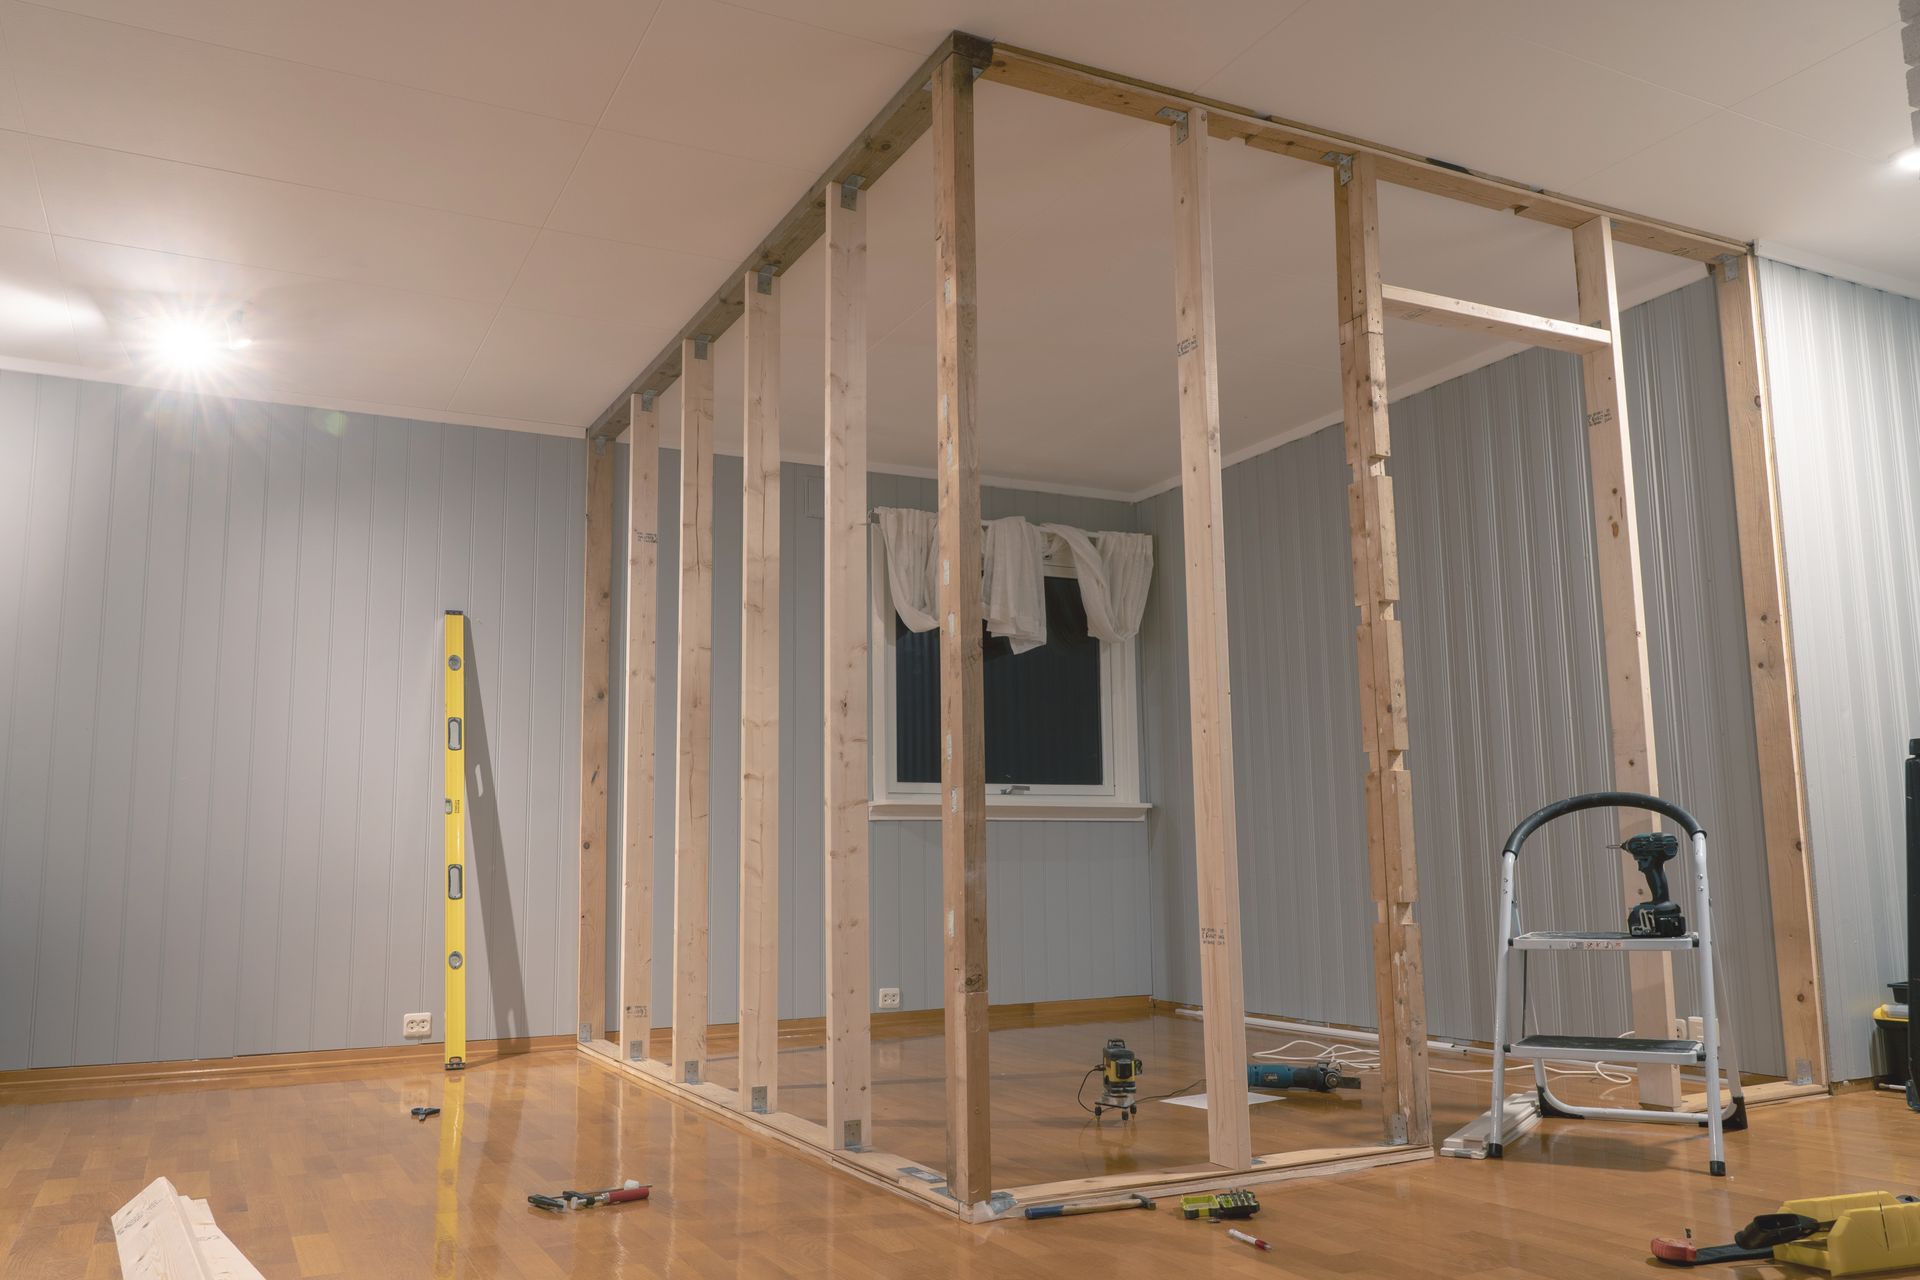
[456, 837]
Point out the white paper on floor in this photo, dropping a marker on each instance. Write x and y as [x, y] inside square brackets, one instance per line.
[1199, 1100]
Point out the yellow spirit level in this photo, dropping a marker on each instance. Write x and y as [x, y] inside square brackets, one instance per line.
[456, 838]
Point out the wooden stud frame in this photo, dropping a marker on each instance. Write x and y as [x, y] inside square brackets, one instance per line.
[939, 97]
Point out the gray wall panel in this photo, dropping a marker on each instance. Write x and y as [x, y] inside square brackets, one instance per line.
[219, 649]
[1845, 366]
[1040, 874]
[1505, 687]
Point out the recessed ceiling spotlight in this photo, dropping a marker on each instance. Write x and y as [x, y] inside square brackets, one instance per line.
[191, 343]
[1908, 161]
[186, 344]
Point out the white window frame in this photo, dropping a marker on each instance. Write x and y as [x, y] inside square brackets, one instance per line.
[1116, 799]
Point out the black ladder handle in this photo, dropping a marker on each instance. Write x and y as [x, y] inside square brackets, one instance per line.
[1599, 800]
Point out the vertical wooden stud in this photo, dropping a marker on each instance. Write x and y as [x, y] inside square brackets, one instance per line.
[849, 1042]
[1216, 843]
[1623, 623]
[692, 814]
[963, 774]
[1398, 968]
[760, 701]
[596, 638]
[643, 557]
[1776, 712]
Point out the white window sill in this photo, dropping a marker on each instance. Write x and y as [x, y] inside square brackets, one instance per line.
[1019, 809]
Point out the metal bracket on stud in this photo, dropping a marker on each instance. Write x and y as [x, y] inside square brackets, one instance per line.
[764, 284]
[636, 1051]
[850, 1135]
[1729, 264]
[586, 1033]
[1342, 164]
[759, 1097]
[600, 444]
[1179, 119]
[700, 341]
[646, 400]
[850, 192]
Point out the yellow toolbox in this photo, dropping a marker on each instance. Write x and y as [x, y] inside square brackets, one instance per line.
[1872, 1231]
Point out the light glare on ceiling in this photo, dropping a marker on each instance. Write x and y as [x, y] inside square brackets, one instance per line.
[192, 344]
[1908, 161]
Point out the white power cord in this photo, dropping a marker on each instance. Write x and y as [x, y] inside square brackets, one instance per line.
[1359, 1058]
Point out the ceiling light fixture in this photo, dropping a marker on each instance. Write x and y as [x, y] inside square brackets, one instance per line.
[1908, 161]
[194, 344]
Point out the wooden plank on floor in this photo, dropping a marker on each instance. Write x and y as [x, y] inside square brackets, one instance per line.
[636, 813]
[1216, 843]
[1496, 322]
[849, 1003]
[596, 639]
[887, 137]
[1398, 967]
[963, 774]
[760, 700]
[1623, 616]
[692, 813]
[1770, 672]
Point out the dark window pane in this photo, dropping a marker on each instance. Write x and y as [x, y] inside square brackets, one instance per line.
[1043, 707]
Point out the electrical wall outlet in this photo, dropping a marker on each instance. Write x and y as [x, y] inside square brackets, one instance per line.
[889, 997]
[416, 1026]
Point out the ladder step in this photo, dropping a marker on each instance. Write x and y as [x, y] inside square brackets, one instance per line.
[1558, 940]
[1607, 1049]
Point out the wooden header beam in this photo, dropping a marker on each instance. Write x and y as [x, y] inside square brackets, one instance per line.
[1058, 78]
[1498, 322]
[885, 139]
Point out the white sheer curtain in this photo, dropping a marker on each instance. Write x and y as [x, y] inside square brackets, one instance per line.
[1114, 570]
[911, 551]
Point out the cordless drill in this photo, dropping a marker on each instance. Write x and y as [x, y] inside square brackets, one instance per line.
[1659, 918]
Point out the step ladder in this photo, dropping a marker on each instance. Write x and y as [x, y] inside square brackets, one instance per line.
[1707, 1052]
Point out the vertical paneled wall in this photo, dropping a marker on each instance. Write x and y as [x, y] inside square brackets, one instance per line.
[1505, 688]
[1068, 914]
[1845, 366]
[219, 659]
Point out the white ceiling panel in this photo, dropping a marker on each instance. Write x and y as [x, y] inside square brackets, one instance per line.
[609, 280]
[743, 83]
[1719, 50]
[38, 312]
[1175, 43]
[1856, 100]
[311, 336]
[1448, 81]
[115, 86]
[489, 210]
[646, 191]
[20, 204]
[549, 368]
[113, 196]
[1794, 190]
[559, 61]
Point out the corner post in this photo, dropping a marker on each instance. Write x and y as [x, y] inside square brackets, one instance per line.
[963, 774]
[1398, 967]
[643, 557]
[1623, 615]
[849, 1020]
[760, 701]
[1216, 841]
[596, 638]
[1776, 711]
[692, 812]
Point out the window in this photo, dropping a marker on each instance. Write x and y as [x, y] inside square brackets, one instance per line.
[1061, 719]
